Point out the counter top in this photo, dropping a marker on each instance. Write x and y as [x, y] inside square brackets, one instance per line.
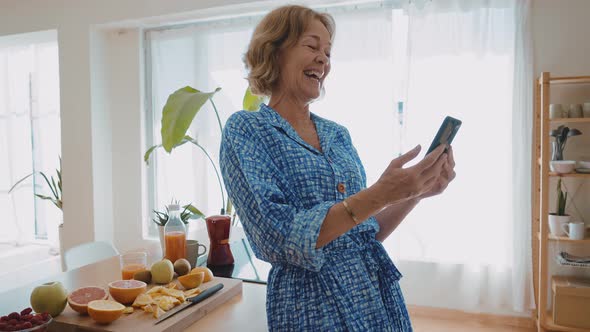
[246, 312]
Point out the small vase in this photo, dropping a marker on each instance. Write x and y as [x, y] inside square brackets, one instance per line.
[556, 151]
[218, 229]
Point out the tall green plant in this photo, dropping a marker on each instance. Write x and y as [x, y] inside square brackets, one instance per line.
[177, 116]
[561, 199]
[54, 186]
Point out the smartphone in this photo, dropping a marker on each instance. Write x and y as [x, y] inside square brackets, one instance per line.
[447, 131]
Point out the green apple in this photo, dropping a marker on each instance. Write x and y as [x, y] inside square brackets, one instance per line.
[51, 297]
[162, 271]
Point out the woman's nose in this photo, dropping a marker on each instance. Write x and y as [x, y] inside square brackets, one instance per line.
[322, 58]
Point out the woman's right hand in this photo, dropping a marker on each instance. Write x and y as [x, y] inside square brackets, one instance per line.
[398, 184]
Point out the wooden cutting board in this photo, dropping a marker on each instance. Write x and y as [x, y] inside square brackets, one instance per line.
[142, 321]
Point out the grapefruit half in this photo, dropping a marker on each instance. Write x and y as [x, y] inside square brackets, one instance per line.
[125, 291]
[78, 299]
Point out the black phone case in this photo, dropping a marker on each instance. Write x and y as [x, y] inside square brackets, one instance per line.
[446, 133]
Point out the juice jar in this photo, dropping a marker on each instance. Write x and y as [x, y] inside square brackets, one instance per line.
[175, 234]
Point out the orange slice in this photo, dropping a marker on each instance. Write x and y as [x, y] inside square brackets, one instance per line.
[192, 280]
[105, 311]
[204, 269]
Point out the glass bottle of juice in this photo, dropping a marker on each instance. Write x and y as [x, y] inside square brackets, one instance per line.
[175, 234]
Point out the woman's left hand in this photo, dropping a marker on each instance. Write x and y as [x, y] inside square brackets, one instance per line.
[446, 176]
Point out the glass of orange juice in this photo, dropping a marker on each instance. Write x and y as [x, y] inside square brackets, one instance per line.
[132, 262]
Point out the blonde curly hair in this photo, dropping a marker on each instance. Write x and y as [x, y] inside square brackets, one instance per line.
[281, 28]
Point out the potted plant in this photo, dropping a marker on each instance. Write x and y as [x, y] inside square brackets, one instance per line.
[55, 197]
[177, 116]
[161, 218]
[54, 185]
[558, 218]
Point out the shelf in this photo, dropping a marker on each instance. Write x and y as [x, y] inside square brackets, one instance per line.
[552, 237]
[570, 120]
[550, 325]
[570, 80]
[570, 175]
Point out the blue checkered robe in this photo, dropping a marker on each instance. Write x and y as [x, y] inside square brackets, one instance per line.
[282, 189]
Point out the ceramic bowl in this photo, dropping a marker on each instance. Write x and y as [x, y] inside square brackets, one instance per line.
[562, 166]
[583, 164]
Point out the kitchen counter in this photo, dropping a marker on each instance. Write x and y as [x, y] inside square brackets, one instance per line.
[245, 312]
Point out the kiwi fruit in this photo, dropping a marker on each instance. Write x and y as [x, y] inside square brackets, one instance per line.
[182, 266]
[145, 276]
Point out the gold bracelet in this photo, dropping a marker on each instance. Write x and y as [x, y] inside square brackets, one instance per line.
[349, 210]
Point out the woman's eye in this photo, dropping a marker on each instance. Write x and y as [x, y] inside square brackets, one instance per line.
[312, 47]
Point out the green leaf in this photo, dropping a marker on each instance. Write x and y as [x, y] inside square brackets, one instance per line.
[179, 112]
[251, 101]
[194, 211]
[146, 156]
[49, 184]
[19, 181]
[44, 197]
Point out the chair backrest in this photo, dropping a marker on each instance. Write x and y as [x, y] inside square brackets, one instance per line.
[88, 253]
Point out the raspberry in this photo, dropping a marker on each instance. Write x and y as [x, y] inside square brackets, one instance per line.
[26, 311]
[14, 315]
[27, 325]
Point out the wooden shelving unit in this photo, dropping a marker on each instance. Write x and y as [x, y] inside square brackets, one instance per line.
[540, 193]
[570, 120]
[551, 326]
[570, 175]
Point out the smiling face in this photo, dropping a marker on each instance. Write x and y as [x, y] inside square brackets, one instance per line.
[305, 65]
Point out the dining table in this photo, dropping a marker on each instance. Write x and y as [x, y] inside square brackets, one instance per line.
[243, 312]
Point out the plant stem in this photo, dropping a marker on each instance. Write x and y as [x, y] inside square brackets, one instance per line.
[228, 207]
[217, 115]
[216, 173]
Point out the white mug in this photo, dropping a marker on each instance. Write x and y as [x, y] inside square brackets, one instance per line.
[586, 109]
[555, 111]
[575, 230]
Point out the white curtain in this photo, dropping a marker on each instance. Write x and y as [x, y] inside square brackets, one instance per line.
[30, 138]
[467, 249]
[470, 248]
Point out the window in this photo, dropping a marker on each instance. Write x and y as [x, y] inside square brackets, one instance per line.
[396, 73]
[30, 137]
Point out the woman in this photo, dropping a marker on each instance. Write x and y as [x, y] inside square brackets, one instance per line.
[300, 189]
